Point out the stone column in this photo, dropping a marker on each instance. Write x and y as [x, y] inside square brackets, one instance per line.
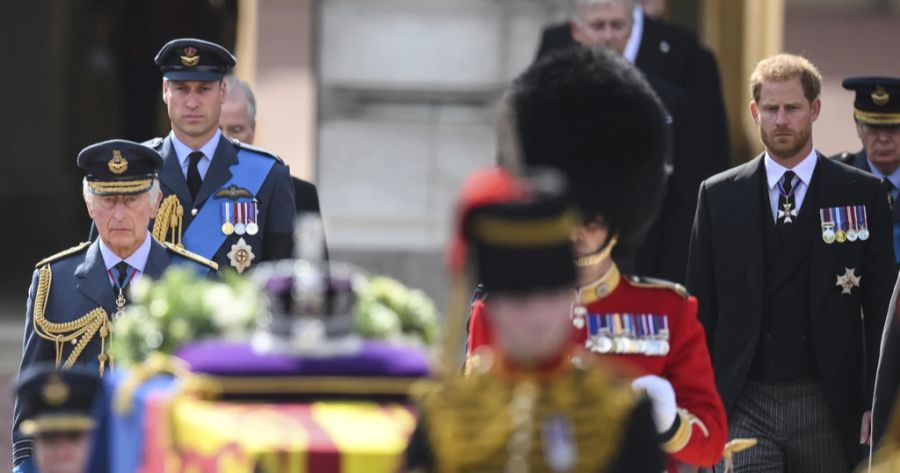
[742, 32]
[275, 56]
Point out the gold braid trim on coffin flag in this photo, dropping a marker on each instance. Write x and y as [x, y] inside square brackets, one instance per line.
[168, 221]
[80, 330]
[886, 458]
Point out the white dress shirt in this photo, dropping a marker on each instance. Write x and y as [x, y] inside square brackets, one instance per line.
[183, 152]
[803, 170]
[137, 260]
[637, 32]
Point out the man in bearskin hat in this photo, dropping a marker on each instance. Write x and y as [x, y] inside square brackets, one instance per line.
[563, 110]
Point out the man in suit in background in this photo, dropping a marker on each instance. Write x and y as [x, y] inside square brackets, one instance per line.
[876, 111]
[663, 252]
[673, 54]
[792, 262]
[238, 121]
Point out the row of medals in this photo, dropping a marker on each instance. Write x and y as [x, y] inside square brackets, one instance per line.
[621, 343]
[248, 226]
[606, 343]
[854, 231]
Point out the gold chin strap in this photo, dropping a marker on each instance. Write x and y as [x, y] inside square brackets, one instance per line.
[598, 257]
[78, 332]
[168, 221]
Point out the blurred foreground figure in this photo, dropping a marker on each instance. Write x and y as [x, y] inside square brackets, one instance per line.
[532, 401]
[56, 409]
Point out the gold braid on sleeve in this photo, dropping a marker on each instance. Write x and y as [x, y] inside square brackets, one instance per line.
[79, 331]
[685, 431]
[168, 221]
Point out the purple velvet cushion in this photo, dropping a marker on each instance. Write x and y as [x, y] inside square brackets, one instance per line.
[374, 358]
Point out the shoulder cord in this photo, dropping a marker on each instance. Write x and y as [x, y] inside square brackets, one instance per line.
[169, 218]
[79, 331]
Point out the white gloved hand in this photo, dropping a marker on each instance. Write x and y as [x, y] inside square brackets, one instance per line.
[663, 397]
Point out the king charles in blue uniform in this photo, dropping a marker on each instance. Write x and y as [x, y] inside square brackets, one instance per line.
[76, 295]
[225, 200]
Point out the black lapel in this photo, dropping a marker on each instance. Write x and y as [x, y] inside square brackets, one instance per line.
[796, 247]
[157, 261]
[647, 56]
[747, 219]
[91, 278]
[218, 173]
[171, 177]
[824, 257]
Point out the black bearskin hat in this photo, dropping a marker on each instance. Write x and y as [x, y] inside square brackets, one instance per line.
[592, 115]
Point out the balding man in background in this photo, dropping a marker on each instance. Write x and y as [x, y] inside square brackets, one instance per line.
[238, 121]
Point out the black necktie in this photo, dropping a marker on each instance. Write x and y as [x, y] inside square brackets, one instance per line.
[193, 174]
[122, 273]
[787, 210]
[889, 187]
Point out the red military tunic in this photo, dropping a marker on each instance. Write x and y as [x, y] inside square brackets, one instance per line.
[685, 362]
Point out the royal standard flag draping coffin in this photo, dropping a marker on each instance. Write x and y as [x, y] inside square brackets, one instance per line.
[239, 411]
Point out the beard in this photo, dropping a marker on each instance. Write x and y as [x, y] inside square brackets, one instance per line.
[786, 146]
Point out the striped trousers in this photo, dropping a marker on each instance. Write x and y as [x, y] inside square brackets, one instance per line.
[794, 426]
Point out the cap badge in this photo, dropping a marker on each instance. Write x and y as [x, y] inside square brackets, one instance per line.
[881, 97]
[190, 58]
[55, 392]
[118, 164]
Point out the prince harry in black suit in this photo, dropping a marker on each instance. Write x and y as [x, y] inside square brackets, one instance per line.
[792, 263]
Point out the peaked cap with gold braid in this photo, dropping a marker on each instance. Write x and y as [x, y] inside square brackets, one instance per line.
[119, 167]
[877, 101]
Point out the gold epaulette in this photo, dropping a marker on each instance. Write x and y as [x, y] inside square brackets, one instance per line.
[654, 283]
[191, 256]
[63, 254]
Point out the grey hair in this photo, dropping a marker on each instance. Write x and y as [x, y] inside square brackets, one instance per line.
[235, 84]
[154, 192]
[577, 5]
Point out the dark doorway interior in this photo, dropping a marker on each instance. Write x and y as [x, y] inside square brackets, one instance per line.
[76, 73]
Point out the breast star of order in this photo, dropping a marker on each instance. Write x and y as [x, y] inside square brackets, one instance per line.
[848, 280]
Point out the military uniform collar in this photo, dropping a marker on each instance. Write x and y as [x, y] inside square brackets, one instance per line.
[511, 372]
[600, 288]
[137, 260]
[894, 177]
[182, 150]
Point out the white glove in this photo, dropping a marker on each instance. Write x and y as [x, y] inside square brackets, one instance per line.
[663, 397]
